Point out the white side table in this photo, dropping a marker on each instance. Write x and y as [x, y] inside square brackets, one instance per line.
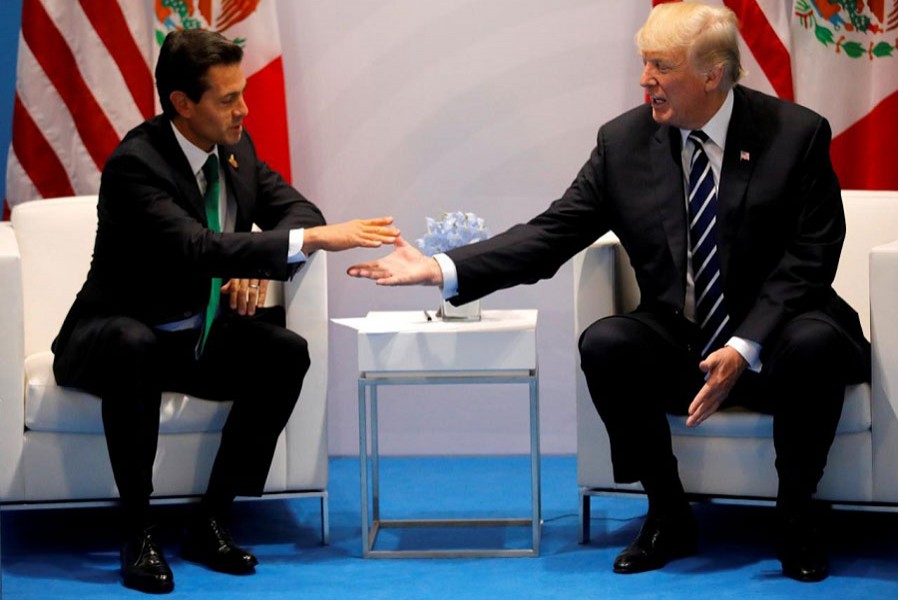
[405, 348]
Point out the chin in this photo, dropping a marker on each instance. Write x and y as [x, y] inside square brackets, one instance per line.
[663, 117]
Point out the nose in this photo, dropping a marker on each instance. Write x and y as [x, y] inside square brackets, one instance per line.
[648, 79]
[242, 110]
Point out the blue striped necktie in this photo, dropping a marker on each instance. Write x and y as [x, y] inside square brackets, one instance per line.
[709, 301]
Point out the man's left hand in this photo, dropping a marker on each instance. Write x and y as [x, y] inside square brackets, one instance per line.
[723, 368]
[245, 295]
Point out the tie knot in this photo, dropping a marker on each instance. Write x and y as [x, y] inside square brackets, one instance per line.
[698, 137]
[211, 169]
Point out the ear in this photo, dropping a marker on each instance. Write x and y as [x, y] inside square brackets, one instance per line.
[183, 105]
[714, 78]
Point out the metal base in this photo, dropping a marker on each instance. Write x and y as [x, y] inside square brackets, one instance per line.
[377, 526]
[368, 434]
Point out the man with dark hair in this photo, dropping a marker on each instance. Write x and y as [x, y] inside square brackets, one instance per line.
[177, 201]
[727, 204]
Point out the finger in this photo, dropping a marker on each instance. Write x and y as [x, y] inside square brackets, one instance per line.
[364, 273]
[696, 419]
[242, 296]
[358, 270]
[262, 292]
[252, 296]
[233, 291]
[384, 231]
[379, 221]
[380, 238]
[695, 410]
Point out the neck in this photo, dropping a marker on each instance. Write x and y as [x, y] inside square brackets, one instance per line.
[182, 126]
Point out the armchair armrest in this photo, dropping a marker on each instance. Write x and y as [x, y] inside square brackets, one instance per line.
[12, 365]
[883, 307]
[604, 285]
[306, 310]
[594, 271]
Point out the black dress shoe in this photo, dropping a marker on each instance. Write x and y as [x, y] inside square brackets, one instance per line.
[801, 551]
[209, 543]
[660, 540]
[144, 567]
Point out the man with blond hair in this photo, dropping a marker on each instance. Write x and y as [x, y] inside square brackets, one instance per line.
[727, 204]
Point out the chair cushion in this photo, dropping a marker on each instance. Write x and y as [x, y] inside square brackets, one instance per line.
[50, 407]
[737, 422]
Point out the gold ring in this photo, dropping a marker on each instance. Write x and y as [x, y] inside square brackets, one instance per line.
[254, 286]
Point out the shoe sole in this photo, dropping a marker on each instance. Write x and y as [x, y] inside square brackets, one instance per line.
[199, 561]
[168, 589]
[681, 554]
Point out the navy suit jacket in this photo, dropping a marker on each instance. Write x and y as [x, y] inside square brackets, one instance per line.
[153, 255]
[780, 219]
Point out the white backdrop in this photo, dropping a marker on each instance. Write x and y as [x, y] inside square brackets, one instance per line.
[412, 108]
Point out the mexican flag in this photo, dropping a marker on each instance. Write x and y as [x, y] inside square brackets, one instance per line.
[839, 58]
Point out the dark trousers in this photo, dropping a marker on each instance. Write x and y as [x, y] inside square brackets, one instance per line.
[643, 365]
[253, 361]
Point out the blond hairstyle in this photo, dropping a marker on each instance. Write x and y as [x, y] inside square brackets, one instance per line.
[708, 34]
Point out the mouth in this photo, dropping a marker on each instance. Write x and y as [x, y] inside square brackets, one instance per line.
[657, 101]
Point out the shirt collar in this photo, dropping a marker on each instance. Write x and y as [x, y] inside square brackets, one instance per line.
[717, 127]
[196, 157]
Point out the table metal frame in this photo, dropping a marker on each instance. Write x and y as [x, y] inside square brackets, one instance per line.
[368, 435]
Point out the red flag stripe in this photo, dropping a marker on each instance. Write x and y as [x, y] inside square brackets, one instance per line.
[865, 154]
[56, 59]
[109, 22]
[773, 58]
[267, 119]
[37, 156]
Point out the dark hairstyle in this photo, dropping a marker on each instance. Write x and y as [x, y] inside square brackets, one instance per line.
[185, 57]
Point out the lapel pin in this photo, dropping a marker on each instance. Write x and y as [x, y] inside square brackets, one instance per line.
[234, 164]
[745, 155]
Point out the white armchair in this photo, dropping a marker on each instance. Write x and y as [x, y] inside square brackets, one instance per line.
[732, 454]
[52, 447]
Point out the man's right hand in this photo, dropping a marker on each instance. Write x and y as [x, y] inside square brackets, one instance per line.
[364, 233]
[404, 266]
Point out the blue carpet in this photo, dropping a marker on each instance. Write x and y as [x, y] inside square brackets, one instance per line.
[73, 553]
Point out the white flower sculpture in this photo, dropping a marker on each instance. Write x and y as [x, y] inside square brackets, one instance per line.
[453, 230]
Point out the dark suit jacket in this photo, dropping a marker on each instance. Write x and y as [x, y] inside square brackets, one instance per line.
[780, 219]
[153, 255]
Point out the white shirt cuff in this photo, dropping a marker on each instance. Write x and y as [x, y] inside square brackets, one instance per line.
[448, 271]
[295, 246]
[749, 350]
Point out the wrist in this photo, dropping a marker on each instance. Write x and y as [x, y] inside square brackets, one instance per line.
[311, 240]
[436, 275]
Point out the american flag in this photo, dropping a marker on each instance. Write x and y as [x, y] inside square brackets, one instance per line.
[85, 77]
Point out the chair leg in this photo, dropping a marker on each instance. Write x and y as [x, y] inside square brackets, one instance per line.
[584, 516]
[326, 527]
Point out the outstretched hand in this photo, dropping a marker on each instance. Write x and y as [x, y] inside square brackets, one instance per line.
[364, 233]
[404, 266]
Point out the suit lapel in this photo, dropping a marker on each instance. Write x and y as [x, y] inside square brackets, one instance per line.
[741, 149]
[182, 175]
[237, 187]
[668, 192]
